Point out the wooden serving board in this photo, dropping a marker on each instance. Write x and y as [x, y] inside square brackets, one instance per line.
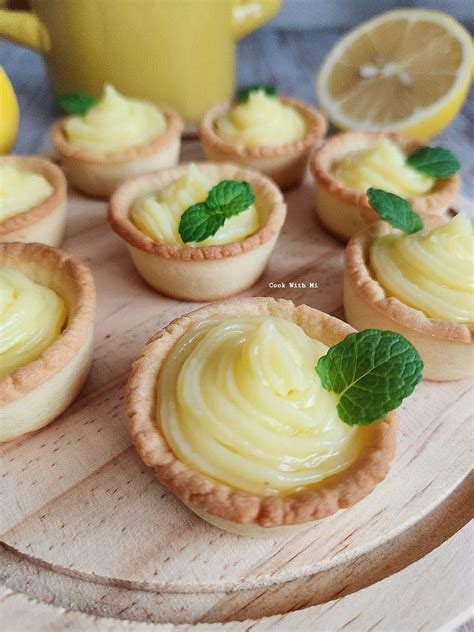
[77, 500]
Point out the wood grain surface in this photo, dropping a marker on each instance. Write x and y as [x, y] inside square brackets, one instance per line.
[77, 500]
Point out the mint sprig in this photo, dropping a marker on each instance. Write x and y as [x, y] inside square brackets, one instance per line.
[77, 103]
[204, 219]
[372, 371]
[436, 162]
[244, 93]
[395, 210]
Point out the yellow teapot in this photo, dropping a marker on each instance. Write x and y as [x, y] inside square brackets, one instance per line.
[178, 52]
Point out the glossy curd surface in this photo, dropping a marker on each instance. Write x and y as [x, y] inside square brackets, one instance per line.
[261, 120]
[431, 270]
[115, 123]
[158, 214]
[240, 401]
[31, 318]
[21, 190]
[382, 167]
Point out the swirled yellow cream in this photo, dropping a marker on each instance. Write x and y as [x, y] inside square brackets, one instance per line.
[261, 120]
[115, 123]
[31, 318]
[382, 167]
[158, 214]
[20, 190]
[240, 401]
[431, 271]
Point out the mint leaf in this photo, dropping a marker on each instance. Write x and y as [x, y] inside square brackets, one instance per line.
[437, 162]
[244, 93]
[395, 210]
[199, 222]
[77, 103]
[224, 200]
[372, 371]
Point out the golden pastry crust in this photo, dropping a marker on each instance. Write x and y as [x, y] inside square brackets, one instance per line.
[446, 348]
[21, 227]
[284, 163]
[344, 211]
[41, 263]
[209, 496]
[100, 173]
[272, 213]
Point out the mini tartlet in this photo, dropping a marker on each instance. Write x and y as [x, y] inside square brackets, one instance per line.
[44, 222]
[222, 505]
[99, 173]
[344, 211]
[446, 347]
[36, 393]
[208, 272]
[285, 164]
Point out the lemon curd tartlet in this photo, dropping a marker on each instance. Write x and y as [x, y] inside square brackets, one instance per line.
[226, 406]
[146, 213]
[349, 163]
[33, 200]
[272, 134]
[420, 285]
[117, 138]
[47, 306]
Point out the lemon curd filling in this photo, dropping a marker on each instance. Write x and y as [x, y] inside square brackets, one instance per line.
[382, 167]
[431, 271]
[115, 123]
[158, 214]
[240, 400]
[21, 190]
[261, 120]
[31, 318]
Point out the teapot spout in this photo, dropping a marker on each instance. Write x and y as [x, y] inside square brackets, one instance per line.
[248, 15]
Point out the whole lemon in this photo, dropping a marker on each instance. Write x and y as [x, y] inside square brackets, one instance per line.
[10, 113]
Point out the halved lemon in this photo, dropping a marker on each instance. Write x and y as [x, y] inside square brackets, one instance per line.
[9, 113]
[407, 70]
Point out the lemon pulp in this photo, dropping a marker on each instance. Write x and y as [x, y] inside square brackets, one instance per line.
[20, 190]
[158, 214]
[31, 318]
[261, 120]
[431, 271]
[240, 401]
[115, 123]
[383, 167]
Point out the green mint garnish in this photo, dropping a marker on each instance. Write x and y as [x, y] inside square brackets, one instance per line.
[372, 371]
[204, 219]
[395, 210]
[77, 103]
[244, 93]
[437, 162]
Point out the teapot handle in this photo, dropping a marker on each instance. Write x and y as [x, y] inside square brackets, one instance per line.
[248, 15]
[23, 27]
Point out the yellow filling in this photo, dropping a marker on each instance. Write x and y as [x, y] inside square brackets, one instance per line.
[430, 271]
[115, 123]
[31, 318]
[240, 401]
[262, 120]
[20, 190]
[158, 214]
[382, 167]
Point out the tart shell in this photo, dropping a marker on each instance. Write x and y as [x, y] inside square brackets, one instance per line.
[207, 273]
[35, 394]
[44, 223]
[216, 502]
[99, 174]
[445, 347]
[285, 164]
[343, 211]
